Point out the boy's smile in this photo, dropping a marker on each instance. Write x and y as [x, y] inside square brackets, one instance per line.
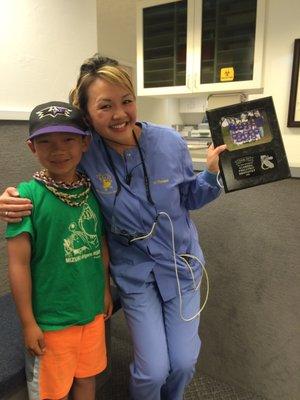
[60, 153]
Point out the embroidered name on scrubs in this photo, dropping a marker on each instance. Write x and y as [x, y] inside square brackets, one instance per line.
[106, 183]
[160, 181]
[82, 242]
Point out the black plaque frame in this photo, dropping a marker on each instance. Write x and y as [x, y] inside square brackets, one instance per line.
[255, 153]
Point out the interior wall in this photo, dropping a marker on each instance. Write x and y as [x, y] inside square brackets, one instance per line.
[17, 164]
[281, 29]
[42, 45]
[117, 29]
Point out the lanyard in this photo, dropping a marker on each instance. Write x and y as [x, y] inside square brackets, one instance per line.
[112, 166]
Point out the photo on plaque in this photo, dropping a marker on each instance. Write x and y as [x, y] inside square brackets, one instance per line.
[255, 153]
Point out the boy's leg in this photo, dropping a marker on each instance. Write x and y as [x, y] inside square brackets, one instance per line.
[51, 376]
[92, 350]
[91, 359]
[84, 388]
[74, 352]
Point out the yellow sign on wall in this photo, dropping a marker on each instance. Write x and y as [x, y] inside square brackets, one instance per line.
[227, 74]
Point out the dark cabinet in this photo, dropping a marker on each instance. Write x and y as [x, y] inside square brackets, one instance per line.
[194, 46]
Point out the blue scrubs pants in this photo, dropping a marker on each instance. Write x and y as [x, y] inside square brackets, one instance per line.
[166, 348]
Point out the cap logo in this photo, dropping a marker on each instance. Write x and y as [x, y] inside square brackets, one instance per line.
[53, 111]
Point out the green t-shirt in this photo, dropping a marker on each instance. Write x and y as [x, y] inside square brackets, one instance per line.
[66, 257]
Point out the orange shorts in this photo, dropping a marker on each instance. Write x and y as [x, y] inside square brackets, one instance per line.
[74, 352]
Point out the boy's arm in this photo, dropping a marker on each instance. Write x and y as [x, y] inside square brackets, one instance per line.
[108, 303]
[19, 252]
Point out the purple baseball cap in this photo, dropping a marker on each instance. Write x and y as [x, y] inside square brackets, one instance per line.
[56, 116]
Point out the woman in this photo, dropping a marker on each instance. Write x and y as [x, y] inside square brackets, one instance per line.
[143, 177]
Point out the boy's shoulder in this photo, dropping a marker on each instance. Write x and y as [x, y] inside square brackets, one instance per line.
[29, 188]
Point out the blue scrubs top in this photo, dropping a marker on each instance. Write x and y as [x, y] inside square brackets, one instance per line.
[175, 189]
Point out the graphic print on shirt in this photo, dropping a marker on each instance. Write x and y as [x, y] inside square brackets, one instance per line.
[83, 241]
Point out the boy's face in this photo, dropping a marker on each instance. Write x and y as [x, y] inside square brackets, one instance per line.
[60, 153]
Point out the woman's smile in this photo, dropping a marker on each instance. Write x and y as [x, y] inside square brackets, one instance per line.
[112, 111]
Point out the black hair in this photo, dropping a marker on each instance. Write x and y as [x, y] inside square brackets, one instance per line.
[93, 68]
[94, 63]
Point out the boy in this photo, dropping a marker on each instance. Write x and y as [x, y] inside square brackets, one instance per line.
[58, 262]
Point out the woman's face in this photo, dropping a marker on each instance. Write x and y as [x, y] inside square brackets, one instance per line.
[111, 111]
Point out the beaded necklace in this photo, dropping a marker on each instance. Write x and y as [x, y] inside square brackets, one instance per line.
[73, 200]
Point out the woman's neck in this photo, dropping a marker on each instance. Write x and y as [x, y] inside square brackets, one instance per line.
[120, 147]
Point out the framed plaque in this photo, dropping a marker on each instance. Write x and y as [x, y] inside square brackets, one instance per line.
[255, 154]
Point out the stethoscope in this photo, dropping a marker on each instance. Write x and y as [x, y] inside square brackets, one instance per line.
[132, 238]
[112, 165]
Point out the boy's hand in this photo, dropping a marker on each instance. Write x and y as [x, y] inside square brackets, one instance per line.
[108, 304]
[34, 340]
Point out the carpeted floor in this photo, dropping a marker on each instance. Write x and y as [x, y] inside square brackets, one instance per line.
[202, 387]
